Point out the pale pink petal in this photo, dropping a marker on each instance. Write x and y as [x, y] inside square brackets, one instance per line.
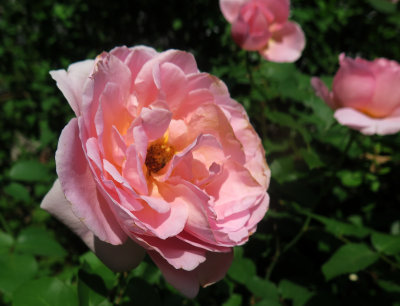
[163, 224]
[184, 281]
[158, 204]
[184, 60]
[133, 171]
[353, 85]
[231, 8]
[72, 82]
[173, 85]
[155, 120]
[323, 92]
[251, 34]
[234, 190]
[56, 204]
[121, 52]
[257, 212]
[278, 9]
[201, 140]
[209, 119]
[367, 125]
[214, 268]
[188, 282]
[138, 57]
[286, 44]
[80, 189]
[197, 201]
[118, 147]
[148, 82]
[111, 114]
[107, 69]
[251, 142]
[195, 98]
[176, 252]
[118, 258]
[212, 247]
[387, 92]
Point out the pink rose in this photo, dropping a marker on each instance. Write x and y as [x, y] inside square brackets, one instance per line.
[263, 26]
[159, 157]
[365, 95]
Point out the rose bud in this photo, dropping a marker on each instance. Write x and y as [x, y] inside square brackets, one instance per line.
[263, 26]
[365, 95]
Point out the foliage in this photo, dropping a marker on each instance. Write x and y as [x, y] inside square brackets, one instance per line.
[332, 234]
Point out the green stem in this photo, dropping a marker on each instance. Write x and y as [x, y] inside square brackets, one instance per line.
[5, 225]
[386, 259]
[288, 246]
[261, 91]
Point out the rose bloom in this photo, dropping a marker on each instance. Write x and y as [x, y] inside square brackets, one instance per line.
[158, 158]
[365, 95]
[263, 26]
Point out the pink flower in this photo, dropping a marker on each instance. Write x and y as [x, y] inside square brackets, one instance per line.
[365, 95]
[263, 26]
[159, 157]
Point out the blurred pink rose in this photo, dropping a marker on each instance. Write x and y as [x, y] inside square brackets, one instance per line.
[365, 95]
[159, 157]
[263, 26]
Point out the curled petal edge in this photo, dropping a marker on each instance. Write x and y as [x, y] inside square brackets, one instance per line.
[118, 258]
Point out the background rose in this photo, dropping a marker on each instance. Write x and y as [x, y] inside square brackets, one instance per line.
[158, 153]
[262, 25]
[365, 95]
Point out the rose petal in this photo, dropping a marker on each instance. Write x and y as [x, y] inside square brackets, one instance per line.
[367, 125]
[353, 85]
[118, 258]
[286, 44]
[72, 82]
[80, 188]
[323, 92]
[207, 273]
[231, 8]
[177, 253]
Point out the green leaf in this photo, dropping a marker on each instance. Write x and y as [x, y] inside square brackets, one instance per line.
[267, 302]
[350, 178]
[234, 300]
[96, 266]
[387, 244]
[383, 6]
[44, 292]
[299, 294]
[91, 289]
[339, 228]
[311, 158]
[349, 258]
[283, 169]
[142, 293]
[149, 271]
[6, 242]
[263, 288]
[242, 270]
[38, 241]
[18, 192]
[388, 286]
[29, 171]
[15, 270]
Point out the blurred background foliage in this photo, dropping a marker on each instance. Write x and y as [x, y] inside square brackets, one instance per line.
[332, 234]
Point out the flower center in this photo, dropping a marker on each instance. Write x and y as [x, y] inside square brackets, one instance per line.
[158, 155]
